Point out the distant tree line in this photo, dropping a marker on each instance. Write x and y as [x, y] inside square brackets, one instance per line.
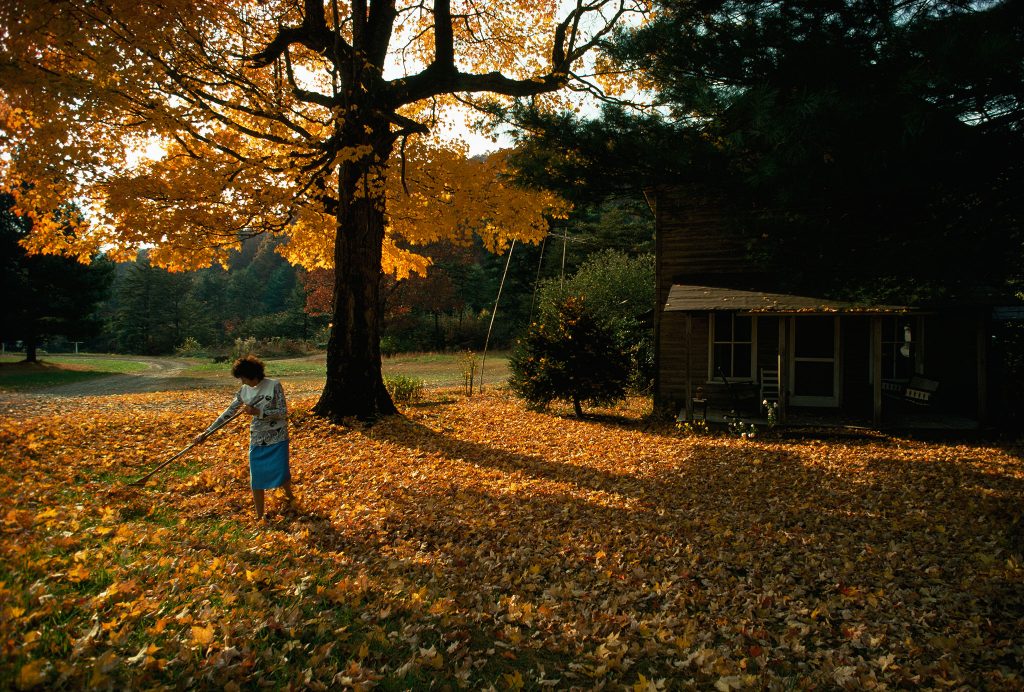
[153, 311]
[45, 296]
[134, 307]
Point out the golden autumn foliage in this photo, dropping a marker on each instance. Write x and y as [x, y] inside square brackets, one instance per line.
[476, 544]
[156, 123]
[197, 123]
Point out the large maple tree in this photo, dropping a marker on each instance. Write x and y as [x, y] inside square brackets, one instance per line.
[188, 125]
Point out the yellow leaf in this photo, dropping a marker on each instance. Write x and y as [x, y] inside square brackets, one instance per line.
[644, 685]
[78, 573]
[32, 674]
[202, 635]
[514, 681]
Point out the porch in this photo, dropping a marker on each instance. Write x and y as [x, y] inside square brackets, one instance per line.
[835, 421]
[823, 363]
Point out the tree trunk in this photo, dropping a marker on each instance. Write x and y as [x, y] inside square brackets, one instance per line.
[354, 385]
[577, 407]
[30, 350]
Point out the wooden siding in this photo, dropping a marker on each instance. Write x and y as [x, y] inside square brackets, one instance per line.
[672, 347]
[694, 240]
[950, 357]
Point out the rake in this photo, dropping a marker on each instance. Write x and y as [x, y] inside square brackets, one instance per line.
[140, 481]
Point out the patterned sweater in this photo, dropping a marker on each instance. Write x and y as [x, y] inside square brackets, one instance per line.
[270, 426]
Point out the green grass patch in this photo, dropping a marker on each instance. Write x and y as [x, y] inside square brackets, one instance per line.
[445, 369]
[432, 369]
[285, 367]
[17, 375]
[83, 363]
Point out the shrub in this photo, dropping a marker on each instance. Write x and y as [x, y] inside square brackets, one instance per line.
[190, 348]
[244, 347]
[619, 291]
[403, 389]
[468, 361]
[569, 356]
[275, 347]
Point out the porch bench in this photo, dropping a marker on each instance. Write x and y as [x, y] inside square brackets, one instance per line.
[918, 390]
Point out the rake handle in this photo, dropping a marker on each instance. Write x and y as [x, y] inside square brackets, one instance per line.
[149, 475]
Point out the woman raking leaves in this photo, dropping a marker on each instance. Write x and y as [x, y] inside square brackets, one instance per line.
[263, 399]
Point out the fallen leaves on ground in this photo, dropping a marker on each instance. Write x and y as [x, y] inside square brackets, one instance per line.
[473, 543]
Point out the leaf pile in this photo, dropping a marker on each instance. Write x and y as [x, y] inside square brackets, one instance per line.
[472, 543]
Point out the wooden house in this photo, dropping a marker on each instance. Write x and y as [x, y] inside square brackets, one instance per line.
[723, 344]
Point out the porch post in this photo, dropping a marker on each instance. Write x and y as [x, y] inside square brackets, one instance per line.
[876, 369]
[689, 350]
[982, 368]
[783, 368]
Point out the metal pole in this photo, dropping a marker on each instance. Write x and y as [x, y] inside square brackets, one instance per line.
[483, 358]
[536, 281]
[565, 239]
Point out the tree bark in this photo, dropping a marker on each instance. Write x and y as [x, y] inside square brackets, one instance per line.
[31, 350]
[354, 385]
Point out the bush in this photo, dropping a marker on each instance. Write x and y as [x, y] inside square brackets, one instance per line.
[403, 389]
[244, 347]
[569, 356]
[190, 348]
[275, 347]
[619, 291]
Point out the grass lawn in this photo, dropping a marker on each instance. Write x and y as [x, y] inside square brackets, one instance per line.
[446, 369]
[16, 375]
[433, 369]
[472, 543]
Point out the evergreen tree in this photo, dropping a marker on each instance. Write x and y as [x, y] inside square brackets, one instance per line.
[569, 356]
[44, 295]
[153, 311]
[878, 144]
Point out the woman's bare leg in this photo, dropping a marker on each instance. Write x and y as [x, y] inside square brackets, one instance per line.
[257, 501]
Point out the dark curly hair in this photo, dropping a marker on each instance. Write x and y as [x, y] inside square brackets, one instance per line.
[249, 367]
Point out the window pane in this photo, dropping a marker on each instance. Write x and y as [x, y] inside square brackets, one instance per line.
[723, 360]
[744, 329]
[813, 379]
[723, 326]
[741, 360]
[889, 327]
[904, 364]
[815, 337]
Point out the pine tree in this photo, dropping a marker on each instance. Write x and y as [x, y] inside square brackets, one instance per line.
[568, 356]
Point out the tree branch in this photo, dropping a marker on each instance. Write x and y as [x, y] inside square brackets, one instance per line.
[427, 84]
[444, 35]
[313, 33]
[442, 76]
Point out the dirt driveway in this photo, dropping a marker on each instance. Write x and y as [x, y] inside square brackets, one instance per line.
[161, 374]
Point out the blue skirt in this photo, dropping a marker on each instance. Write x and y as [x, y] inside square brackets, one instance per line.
[268, 466]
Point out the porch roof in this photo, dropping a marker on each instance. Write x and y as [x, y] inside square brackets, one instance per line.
[687, 298]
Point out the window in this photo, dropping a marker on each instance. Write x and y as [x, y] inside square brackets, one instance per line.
[732, 352]
[897, 348]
